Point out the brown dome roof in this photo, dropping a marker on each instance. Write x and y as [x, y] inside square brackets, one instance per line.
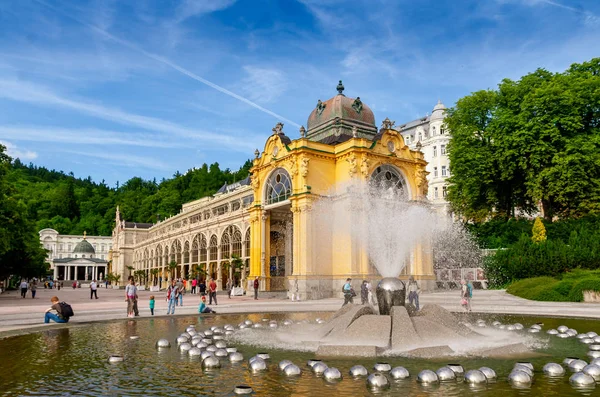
[340, 107]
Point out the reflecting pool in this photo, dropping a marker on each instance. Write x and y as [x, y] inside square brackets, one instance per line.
[74, 361]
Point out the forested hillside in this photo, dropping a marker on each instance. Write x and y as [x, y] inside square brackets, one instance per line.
[73, 205]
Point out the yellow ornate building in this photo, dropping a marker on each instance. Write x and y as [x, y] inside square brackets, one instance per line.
[341, 144]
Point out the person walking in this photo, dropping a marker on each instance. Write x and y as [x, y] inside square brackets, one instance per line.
[413, 292]
[202, 287]
[228, 286]
[33, 288]
[172, 297]
[194, 284]
[295, 292]
[349, 293]
[24, 287]
[465, 299]
[212, 291]
[180, 289]
[152, 305]
[93, 289]
[364, 293]
[256, 285]
[130, 296]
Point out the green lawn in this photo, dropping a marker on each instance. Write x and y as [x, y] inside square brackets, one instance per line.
[568, 288]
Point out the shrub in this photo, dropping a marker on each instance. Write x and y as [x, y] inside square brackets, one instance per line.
[563, 287]
[589, 284]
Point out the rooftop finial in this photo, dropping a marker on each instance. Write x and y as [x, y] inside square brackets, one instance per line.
[84, 234]
[340, 88]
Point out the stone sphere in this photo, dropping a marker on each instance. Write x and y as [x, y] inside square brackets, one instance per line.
[587, 341]
[552, 332]
[292, 370]
[312, 362]
[206, 354]
[594, 347]
[533, 330]
[582, 380]
[231, 349]
[221, 353]
[577, 365]
[163, 343]
[592, 370]
[358, 370]
[562, 328]
[182, 339]
[283, 364]
[400, 373]
[593, 354]
[592, 334]
[184, 347]
[518, 377]
[563, 336]
[264, 356]
[115, 359]
[242, 389]
[553, 369]
[220, 344]
[489, 373]
[377, 380]
[195, 352]
[236, 357]
[319, 368]
[382, 367]
[427, 376]
[536, 326]
[211, 362]
[211, 348]
[258, 364]
[457, 368]
[475, 377]
[445, 374]
[201, 345]
[332, 374]
[568, 360]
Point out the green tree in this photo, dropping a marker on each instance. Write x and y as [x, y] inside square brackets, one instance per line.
[172, 267]
[538, 231]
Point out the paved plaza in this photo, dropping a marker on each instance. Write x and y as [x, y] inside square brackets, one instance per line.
[18, 314]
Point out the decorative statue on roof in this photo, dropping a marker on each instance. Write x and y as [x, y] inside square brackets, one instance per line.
[388, 124]
[320, 107]
[340, 88]
[357, 105]
[278, 128]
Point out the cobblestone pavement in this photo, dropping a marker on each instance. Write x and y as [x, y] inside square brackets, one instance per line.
[18, 314]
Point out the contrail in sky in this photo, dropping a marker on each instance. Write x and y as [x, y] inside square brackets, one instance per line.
[169, 63]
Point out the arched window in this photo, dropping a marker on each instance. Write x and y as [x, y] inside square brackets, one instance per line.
[247, 242]
[279, 186]
[387, 177]
[236, 243]
[203, 251]
[212, 248]
[225, 245]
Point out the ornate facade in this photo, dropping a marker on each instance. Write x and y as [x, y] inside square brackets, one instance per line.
[267, 220]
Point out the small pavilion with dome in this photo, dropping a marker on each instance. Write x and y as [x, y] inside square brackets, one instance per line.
[81, 265]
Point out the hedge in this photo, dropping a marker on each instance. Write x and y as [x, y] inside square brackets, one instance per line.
[568, 288]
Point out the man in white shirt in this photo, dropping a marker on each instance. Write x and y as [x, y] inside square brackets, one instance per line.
[24, 287]
[93, 289]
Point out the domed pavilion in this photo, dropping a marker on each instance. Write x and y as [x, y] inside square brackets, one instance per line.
[82, 264]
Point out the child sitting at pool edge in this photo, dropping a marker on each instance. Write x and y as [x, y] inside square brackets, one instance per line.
[203, 308]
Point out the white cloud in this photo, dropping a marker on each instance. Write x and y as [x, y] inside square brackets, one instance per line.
[194, 8]
[263, 84]
[124, 159]
[15, 152]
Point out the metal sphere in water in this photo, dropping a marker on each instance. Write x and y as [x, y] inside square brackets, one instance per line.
[182, 339]
[552, 332]
[562, 328]
[221, 353]
[518, 377]
[523, 368]
[596, 361]
[563, 336]
[593, 354]
[398, 373]
[264, 356]
[553, 369]
[292, 370]
[526, 364]
[243, 325]
[533, 330]
[582, 380]
[205, 354]
[390, 292]
[231, 349]
[192, 333]
[208, 341]
[457, 368]
[592, 370]
[577, 365]
[518, 326]
[220, 344]
[283, 364]
[211, 348]
[596, 339]
[163, 343]
[594, 347]
[382, 367]
[273, 325]
[319, 368]
[211, 362]
[445, 374]
[536, 326]
[510, 328]
[195, 352]
[236, 357]
[258, 364]
[228, 333]
[208, 332]
[592, 334]
[568, 360]
[581, 336]
[489, 373]
[571, 332]
[218, 337]
[201, 345]
[496, 323]
[228, 327]
[332, 374]
[475, 377]
[377, 380]
[587, 341]
[196, 340]
[184, 347]
[427, 376]
[257, 325]
[242, 389]
[358, 370]
[115, 359]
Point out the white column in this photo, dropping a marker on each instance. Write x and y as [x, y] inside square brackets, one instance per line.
[68, 272]
[55, 272]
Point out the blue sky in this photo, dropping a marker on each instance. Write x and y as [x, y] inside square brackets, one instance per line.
[116, 89]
